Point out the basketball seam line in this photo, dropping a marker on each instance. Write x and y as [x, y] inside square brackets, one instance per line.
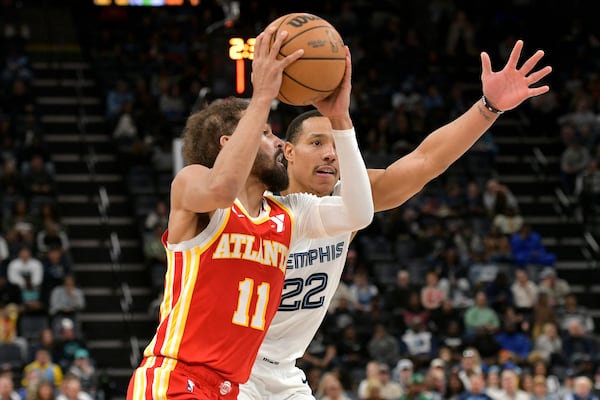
[306, 86]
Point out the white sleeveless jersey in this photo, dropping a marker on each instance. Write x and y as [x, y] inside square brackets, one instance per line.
[314, 268]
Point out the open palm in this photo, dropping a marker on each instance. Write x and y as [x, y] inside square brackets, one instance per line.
[508, 88]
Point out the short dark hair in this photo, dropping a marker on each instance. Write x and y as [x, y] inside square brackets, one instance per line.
[204, 128]
[295, 127]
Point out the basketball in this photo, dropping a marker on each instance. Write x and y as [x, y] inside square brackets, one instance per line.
[321, 68]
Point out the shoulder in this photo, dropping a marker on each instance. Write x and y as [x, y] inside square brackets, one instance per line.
[293, 201]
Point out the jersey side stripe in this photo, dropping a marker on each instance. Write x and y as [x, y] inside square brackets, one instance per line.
[171, 321]
[180, 309]
[162, 381]
[172, 295]
[149, 377]
[166, 305]
[139, 383]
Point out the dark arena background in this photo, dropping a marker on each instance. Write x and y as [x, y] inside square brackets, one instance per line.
[93, 97]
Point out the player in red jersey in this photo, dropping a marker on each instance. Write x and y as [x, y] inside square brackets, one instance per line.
[227, 243]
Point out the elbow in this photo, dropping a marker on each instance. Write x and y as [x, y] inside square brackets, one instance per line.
[365, 217]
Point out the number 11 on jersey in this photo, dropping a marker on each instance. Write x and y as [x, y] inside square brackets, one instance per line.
[241, 315]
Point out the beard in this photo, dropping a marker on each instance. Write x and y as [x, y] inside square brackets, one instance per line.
[270, 172]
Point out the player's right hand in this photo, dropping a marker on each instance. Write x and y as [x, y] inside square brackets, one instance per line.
[267, 69]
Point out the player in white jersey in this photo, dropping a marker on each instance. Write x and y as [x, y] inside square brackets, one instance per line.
[315, 266]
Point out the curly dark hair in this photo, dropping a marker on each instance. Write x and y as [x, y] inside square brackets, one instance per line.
[204, 128]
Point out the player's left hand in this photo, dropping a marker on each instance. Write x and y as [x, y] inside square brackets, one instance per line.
[508, 88]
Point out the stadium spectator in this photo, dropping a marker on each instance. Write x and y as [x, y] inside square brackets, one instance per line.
[527, 248]
[382, 346]
[578, 345]
[7, 388]
[497, 196]
[51, 236]
[582, 390]
[480, 317]
[330, 388]
[587, 190]
[432, 295]
[67, 343]
[477, 389]
[571, 310]
[514, 341]
[525, 293]
[44, 369]
[66, 300]
[573, 161]
[71, 390]
[556, 288]
[84, 369]
[509, 382]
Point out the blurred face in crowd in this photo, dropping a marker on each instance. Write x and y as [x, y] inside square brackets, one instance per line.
[509, 381]
[582, 386]
[477, 383]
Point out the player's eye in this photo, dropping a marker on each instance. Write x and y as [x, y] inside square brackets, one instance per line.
[316, 142]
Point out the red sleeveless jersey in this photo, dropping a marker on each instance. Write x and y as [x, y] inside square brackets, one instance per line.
[222, 289]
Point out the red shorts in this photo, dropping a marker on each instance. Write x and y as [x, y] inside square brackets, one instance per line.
[160, 378]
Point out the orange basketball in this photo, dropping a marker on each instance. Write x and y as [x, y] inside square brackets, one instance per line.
[321, 68]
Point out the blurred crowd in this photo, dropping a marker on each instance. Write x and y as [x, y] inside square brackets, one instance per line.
[43, 353]
[452, 295]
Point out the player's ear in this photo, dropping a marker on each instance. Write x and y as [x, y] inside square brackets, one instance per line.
[288, 151]
[223, 139]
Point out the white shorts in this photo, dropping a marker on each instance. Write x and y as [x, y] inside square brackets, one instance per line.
[275, 382]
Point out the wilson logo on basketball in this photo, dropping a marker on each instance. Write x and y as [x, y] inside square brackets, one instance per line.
[300, 20]
[316, 43]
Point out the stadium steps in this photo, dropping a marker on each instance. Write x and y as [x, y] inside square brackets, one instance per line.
[66, 90]
[535, 191]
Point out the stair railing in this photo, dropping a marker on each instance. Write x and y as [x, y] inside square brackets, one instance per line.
[120, 286]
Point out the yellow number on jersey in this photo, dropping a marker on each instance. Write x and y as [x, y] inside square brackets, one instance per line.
[241, 315]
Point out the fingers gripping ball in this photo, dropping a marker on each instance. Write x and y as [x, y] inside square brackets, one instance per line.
[321, 68]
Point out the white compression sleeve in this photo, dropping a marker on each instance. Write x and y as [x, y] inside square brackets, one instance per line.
[353, 209]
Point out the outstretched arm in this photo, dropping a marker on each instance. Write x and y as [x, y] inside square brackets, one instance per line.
[503, 91]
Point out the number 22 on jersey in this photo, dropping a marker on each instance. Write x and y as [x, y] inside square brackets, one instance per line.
[241, 315]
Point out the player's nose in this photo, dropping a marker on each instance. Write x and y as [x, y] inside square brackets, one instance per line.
[278, 142]
[329, 152]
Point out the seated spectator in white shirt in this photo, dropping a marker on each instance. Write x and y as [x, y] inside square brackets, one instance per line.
[23, 265]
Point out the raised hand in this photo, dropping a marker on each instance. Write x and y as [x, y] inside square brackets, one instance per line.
[508, 88]
[336, 106]
[267, 70]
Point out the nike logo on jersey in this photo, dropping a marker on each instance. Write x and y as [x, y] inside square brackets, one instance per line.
[304, 381]
[278, 219]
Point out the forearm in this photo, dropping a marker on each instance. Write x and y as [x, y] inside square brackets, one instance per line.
[448, 143]
[353, 208]
[234, 162]
[408, 175]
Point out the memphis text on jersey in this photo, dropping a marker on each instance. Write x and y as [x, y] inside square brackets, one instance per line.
[320, 254]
